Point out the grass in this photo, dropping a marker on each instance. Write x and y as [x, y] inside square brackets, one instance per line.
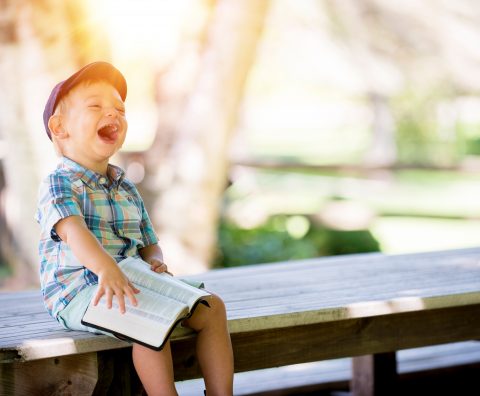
[422, 193]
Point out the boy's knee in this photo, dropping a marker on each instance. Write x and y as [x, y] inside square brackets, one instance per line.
[205, 316]
[217, 306]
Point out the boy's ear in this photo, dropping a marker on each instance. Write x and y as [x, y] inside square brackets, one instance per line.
[56, 127]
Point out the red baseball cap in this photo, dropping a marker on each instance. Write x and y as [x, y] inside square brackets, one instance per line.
[95, 71]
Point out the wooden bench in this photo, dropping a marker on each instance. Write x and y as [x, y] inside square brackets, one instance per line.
[363, 306]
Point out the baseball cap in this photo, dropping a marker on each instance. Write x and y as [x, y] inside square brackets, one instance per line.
[97, 70]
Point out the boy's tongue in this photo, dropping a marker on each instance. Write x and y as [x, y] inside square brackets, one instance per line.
[108, 133]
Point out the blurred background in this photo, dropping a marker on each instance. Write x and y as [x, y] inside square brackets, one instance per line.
[259, 130]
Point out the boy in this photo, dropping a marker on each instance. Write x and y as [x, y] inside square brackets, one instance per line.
[91, 218]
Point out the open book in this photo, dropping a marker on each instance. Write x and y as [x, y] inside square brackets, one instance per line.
[162, 303]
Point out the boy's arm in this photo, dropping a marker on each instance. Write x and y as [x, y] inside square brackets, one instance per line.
[86, 248]
[153, 255]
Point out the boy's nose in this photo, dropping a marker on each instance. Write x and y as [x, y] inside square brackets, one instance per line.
[111, 112]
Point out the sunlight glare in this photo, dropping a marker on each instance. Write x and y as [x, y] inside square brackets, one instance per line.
[144, 37]
[143, 26]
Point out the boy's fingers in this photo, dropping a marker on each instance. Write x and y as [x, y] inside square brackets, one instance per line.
[131, 297]
[97, 297]
[157, 265]
[135, 290]
[109, 297]
[121, 302]
[160, 268]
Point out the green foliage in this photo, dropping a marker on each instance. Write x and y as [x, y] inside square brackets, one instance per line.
[333, 242]
[5, 271]
[473, 146]
[419, 130]
[273, 242]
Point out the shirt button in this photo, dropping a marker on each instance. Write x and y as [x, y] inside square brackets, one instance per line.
[102, 181]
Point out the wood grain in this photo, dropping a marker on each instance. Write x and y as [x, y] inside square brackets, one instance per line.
[329, 340]
[374, 375]
[279, 314]
[76, 375]
[278, 295]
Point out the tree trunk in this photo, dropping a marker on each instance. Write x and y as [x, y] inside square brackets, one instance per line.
[350, 19]
[192, 175]
[19, 242]
[40, 44]
[383, 147]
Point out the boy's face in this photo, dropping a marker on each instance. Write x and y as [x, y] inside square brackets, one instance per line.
[93, 124]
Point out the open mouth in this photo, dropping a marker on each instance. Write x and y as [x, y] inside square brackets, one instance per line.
[109, 133]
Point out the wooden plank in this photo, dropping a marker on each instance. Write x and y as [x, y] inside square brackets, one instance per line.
[276, 317]
[328, 340]
[344, 263]
[105, 373]
[70, 342]
[374, 375]
[62, 346]
[60, 376]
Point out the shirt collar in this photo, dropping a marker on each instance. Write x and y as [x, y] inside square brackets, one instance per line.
[91, 178]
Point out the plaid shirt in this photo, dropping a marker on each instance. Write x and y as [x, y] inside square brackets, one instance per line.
[112, 209]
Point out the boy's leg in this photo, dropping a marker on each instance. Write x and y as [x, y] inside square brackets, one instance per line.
[155, 370]
[214, 348]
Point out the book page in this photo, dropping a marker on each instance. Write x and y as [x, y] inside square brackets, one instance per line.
[150, 321]
[140, 273]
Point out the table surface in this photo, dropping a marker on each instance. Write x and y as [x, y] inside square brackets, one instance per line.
[269, 296]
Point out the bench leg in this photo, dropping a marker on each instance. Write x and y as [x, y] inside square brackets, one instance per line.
[374, 375]
[64, 375]
[117, 375]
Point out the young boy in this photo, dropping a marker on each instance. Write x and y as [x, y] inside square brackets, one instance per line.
[91, 218]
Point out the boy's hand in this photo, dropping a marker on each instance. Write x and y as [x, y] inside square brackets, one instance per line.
[113, 282]
[158, 266]
[152, 254]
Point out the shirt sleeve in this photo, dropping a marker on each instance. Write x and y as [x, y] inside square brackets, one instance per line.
[56, 201]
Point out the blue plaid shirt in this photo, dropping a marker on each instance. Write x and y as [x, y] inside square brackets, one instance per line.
[112, 209]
